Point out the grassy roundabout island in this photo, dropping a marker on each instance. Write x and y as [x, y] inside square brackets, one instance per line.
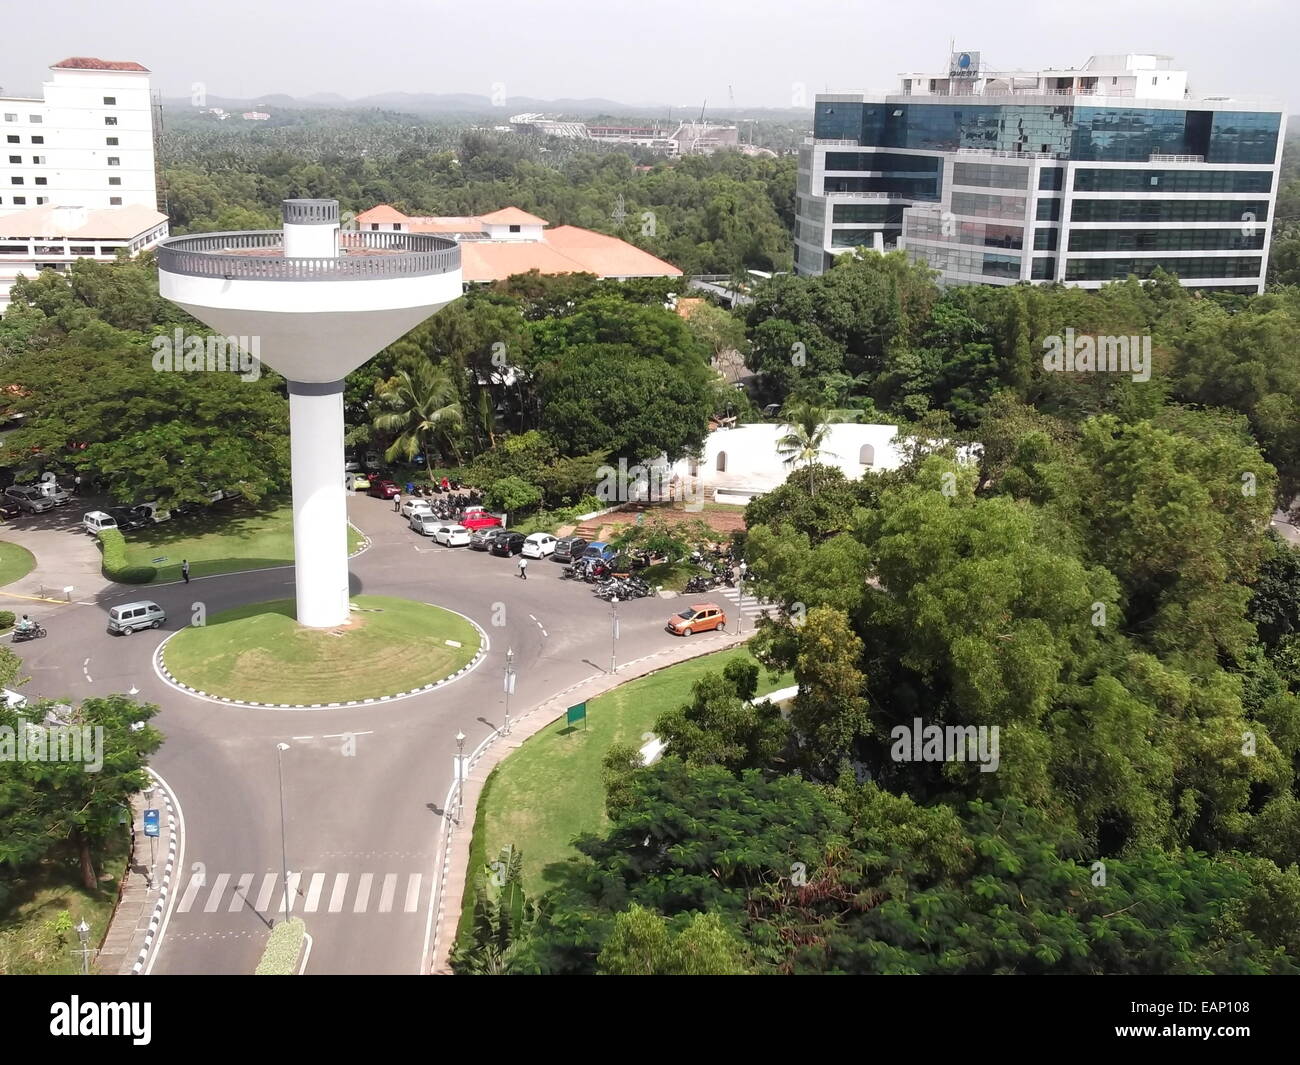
[258, 653]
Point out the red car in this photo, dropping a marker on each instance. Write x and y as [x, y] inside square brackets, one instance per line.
[383, 489]
[478, 518]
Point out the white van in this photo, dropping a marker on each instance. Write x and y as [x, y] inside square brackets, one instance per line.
[128, 617]
[95, 521]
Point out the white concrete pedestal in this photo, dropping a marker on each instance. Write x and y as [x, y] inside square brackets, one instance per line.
[320, 511]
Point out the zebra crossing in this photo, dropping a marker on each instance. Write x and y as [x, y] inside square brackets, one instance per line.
[309, 892]
[751, 607]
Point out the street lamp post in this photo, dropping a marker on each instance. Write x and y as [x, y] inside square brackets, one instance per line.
[509, 685]
[280, 748]
[740, 603]
[460, 776]
[83, 934]
[613, 639]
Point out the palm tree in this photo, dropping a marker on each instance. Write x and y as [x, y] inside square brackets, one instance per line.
[419, 406]
[808, 426]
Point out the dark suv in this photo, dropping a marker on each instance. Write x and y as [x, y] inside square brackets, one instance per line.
[569, 548]
[508, 543]
[482, 539]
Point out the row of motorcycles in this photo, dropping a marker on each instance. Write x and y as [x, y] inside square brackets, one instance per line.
[607, 584]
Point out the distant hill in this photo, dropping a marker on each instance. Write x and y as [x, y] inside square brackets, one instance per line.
[476, 104]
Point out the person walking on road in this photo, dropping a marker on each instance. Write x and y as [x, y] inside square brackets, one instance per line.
[397, 503]
[523, 568]
[185, 569]
[76, 485]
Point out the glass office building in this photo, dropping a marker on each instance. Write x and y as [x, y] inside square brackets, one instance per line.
[1081, 176]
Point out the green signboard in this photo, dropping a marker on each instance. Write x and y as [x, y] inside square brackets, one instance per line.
[577, 712]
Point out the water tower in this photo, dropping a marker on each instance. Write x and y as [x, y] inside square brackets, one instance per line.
[321, 302]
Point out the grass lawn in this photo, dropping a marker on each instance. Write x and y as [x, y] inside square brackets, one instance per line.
[671, 575]
[549, 790]
[30, 941]
[219, 540]
[15, 562]
[260, 654]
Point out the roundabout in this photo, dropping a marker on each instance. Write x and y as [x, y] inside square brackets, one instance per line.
[258, 655]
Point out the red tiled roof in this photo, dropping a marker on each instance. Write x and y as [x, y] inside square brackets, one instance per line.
[512, 216]
[381, 213]
[81, 62]
[607, 256]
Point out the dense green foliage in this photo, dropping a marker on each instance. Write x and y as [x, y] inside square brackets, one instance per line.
[112, 545]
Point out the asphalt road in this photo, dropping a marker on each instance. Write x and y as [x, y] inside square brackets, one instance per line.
[364, 785]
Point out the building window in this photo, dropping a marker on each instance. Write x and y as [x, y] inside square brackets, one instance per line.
[38, 140]
[867, 456]
[82, 249]
[12, 140]
[20, 201]
[114, 160]
[115, 201]
[111, 120]
[42, 199]
[42, 181]
[38, 160]
[374, 225]
[15, 158]
[110, 101]
[15, 181]
[722, 462]
[11, 118]
[115, 181]
[514, 229]
[35, 120]
[111, 141]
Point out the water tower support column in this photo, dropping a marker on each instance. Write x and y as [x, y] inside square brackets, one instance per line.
[320, 509]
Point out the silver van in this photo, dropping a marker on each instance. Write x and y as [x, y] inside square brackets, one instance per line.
[128, 617]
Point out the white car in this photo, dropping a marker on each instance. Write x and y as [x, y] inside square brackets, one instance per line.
[411, 506]
[451, 535]
[539, 545]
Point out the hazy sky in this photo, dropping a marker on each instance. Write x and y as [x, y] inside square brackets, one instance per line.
[672, 51]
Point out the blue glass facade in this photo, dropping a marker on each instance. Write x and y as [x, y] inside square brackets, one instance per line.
[1116, 133]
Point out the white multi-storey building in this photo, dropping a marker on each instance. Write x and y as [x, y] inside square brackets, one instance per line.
[71, 158]
[1080, 176]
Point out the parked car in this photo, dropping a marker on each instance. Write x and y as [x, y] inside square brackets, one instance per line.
[29, 498]
[599, 550]
[424, 522]
[60, 497]
[702, 617]
[507, 544]
[410, 506]
[538, 545]
[383, 489]
[95, 521]
[126, 518]
[567, 548]
[9, 509]
[479, 519]
[150, 513]
[352, 466]
[129, 617]
[359, 481]
[481, 538]
[451, 535]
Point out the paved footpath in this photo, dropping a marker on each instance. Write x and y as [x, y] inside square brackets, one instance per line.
[141, 910]
[454, 845]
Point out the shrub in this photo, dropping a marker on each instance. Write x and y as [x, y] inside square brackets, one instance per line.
[513, 494]
[6, 618]
[115, 567]
[280, 958]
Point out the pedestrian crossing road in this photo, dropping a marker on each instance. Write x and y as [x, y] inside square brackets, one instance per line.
[309, 892]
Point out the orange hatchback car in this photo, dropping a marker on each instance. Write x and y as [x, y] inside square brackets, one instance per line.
[698, 618]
